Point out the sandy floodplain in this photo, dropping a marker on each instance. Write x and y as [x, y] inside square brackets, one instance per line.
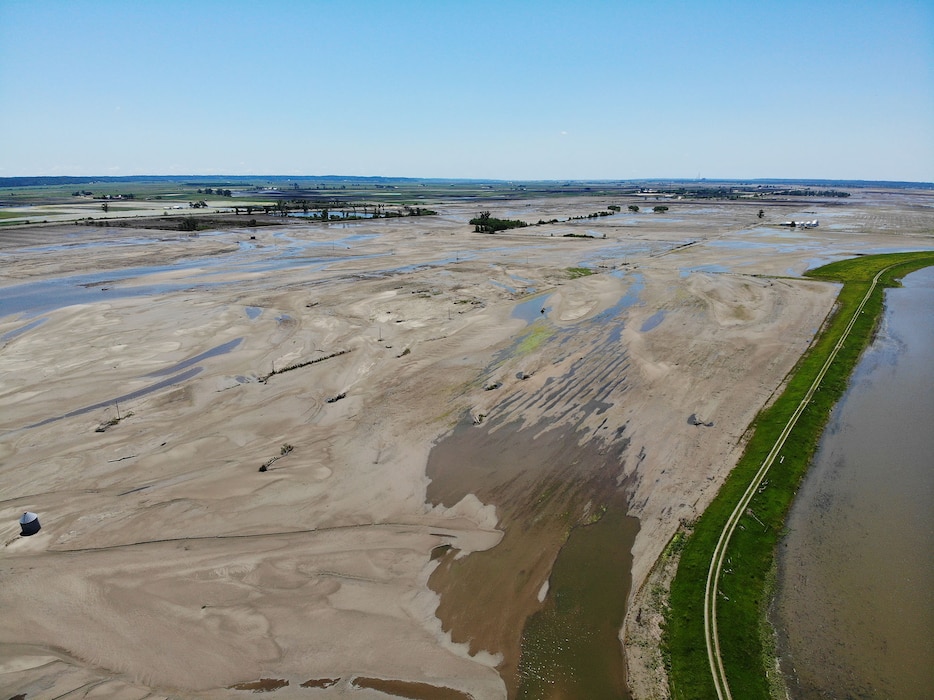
[142, 389]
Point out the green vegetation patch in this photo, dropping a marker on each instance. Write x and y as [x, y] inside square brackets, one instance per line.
[539, 333]
[575, 272]
[744, 584]
[484, 223]
[32, 214]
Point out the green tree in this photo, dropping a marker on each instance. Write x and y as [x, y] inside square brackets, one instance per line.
[634, 208]
[484, 223]
[658, 209]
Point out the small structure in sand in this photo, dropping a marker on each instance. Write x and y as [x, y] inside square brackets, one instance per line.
[29, 524]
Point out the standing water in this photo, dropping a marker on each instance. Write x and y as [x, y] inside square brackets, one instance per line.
[856, 571]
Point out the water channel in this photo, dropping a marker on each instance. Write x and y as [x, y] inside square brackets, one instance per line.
[856, 570]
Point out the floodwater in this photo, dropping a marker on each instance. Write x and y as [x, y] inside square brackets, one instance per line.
[853, 609]
[333, 214]
[564, 521]
[570, 648]
[530, 309]
[35, 298]
[550, 597]
[652, 321]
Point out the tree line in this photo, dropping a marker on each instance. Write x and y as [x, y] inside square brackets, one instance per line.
[485, 223]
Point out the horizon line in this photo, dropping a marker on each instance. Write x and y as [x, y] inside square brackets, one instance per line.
[467, 179]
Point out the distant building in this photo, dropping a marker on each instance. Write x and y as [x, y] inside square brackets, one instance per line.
[802, 224]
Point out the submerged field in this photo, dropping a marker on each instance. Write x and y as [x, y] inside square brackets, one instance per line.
[454, 426]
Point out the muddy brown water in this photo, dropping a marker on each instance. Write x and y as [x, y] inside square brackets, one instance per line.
[545, 486]
[410, 689]
[570, 648]
[854, 610]
[550, 597]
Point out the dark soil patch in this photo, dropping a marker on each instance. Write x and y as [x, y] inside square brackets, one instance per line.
[263, 685]
[205, 223]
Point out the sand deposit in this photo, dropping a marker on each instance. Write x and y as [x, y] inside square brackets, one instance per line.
[138, 405]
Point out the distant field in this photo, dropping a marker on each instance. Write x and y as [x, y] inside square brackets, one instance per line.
[407, 191]
[70, 200]
[31, 214]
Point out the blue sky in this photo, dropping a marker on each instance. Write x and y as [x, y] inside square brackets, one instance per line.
[501, 89]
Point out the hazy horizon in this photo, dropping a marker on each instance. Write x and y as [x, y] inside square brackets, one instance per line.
[331, 176]
[483, 90]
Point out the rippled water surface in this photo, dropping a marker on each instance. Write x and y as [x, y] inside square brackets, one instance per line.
[856, 572]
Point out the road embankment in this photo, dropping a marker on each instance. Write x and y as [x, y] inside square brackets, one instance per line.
[742, 591]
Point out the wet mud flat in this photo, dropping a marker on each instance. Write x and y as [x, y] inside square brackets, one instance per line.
[550, 597]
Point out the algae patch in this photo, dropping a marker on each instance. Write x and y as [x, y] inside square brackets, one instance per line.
[539, 333]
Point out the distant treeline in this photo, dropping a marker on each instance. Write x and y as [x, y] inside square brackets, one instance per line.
[45, 181]
[743, 192]
[196, 180]
[210, 185]
[325, 212]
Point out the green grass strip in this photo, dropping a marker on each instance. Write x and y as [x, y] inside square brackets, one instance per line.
[744, 583]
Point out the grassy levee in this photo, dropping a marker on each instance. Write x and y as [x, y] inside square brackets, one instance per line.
[744, 583]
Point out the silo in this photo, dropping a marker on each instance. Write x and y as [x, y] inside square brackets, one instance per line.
[29, 524]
